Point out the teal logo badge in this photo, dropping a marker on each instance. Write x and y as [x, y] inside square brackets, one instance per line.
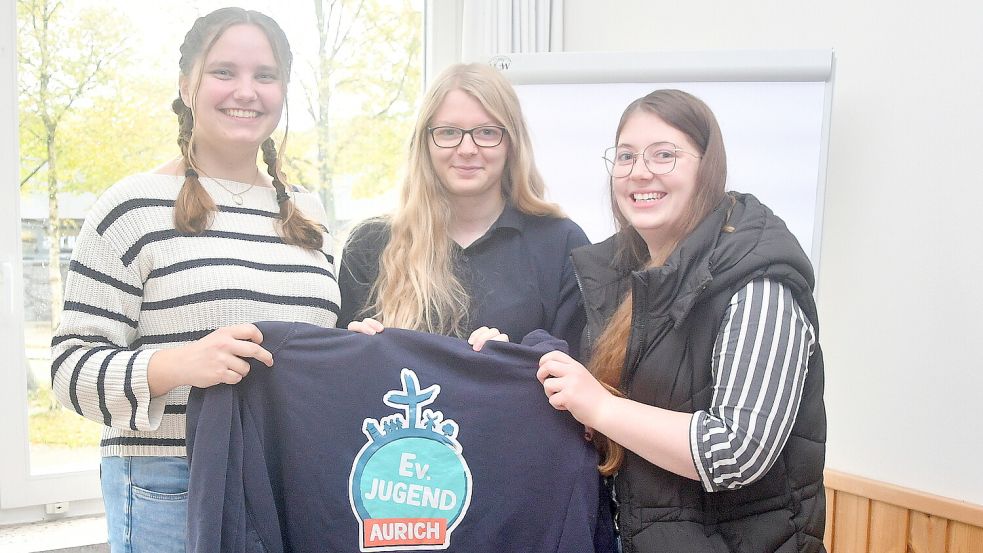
[410, 486]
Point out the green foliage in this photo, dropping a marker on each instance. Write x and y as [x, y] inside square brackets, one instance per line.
[33, 158]
[373, 151]
[300, 159]
[65, 59]
[118, 135]
[79, 82]
[384, 66]
[372, 146]
[373, 60]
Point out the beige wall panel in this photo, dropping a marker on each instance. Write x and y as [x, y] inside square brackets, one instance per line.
[888, 528]
[830, 509]
[926, 534]
[850, 523]
[964, 538]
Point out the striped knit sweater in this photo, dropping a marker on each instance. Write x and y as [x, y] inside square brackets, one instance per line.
[135, 286]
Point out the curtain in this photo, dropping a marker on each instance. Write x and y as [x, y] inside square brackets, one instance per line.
[491, 27]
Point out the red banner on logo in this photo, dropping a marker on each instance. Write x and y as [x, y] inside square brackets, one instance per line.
[404, 531]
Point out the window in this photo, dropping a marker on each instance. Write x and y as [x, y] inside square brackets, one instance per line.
[92, 104]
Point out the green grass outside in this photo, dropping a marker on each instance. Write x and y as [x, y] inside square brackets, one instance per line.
[52, 425]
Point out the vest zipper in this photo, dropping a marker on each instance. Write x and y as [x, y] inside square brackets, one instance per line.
[632, 358]
[624, 527]
[580, 286]
[635, 337]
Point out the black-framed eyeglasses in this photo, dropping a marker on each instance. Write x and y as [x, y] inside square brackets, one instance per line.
[659, 158]
[485, 136]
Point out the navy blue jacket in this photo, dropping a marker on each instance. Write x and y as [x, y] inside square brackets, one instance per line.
[324, 452]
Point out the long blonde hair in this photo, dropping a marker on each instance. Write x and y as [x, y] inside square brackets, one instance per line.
[692, 117]
[416, 287]
[194, 207]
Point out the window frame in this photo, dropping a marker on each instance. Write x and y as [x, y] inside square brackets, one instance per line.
[442, 31]
[18, 487]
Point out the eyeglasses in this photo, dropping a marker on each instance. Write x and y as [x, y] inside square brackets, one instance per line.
[659, 158]
[487, 136]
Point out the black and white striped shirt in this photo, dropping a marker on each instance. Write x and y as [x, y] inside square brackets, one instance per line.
[760, 361]
[135, 285]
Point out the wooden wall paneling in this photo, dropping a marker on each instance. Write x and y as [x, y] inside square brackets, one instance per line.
[888, 528]
[850, 524]
[964, 538]
[914, 500]
[926, 534]
[830, 509]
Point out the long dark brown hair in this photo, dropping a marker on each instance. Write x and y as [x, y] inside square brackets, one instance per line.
[692, 117]
[194, 207]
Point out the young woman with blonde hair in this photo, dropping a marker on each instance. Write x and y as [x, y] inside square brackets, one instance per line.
[705, 382]
[173, 266]
[473, 249]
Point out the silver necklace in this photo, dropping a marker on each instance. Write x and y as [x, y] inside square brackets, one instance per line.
[237, 196]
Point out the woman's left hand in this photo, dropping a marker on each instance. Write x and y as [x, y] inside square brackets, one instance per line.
[484, 334]
[571, 387]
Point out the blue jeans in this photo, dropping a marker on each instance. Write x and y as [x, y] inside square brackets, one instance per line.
[146, 502]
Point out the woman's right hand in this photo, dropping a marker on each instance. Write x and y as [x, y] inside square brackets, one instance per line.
[571, 387]
[218, 358]
[367, 326]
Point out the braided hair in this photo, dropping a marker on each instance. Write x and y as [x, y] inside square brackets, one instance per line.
[296, 228]
[194, 208]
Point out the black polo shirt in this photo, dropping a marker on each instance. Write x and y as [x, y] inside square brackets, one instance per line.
[519, 275]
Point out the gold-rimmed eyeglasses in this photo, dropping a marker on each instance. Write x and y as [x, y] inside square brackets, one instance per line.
[659, 158]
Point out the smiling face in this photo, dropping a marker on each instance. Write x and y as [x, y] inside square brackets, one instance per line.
[240, 98]
[655, 205]
[468, 171]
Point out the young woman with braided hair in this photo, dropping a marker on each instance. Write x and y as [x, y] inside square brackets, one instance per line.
[173, 266]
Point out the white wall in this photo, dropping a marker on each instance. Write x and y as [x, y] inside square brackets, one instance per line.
[901, 284]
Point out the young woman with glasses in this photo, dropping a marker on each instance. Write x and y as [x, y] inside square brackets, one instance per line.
[172, 267]
[705, 381]
[473, 250]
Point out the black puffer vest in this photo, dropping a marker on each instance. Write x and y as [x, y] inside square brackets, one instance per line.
[677, 311]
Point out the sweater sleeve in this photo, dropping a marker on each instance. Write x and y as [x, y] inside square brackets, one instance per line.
[760, 361]
[95, 368]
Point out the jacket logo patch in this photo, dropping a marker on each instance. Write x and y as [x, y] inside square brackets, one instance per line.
[410, 486]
